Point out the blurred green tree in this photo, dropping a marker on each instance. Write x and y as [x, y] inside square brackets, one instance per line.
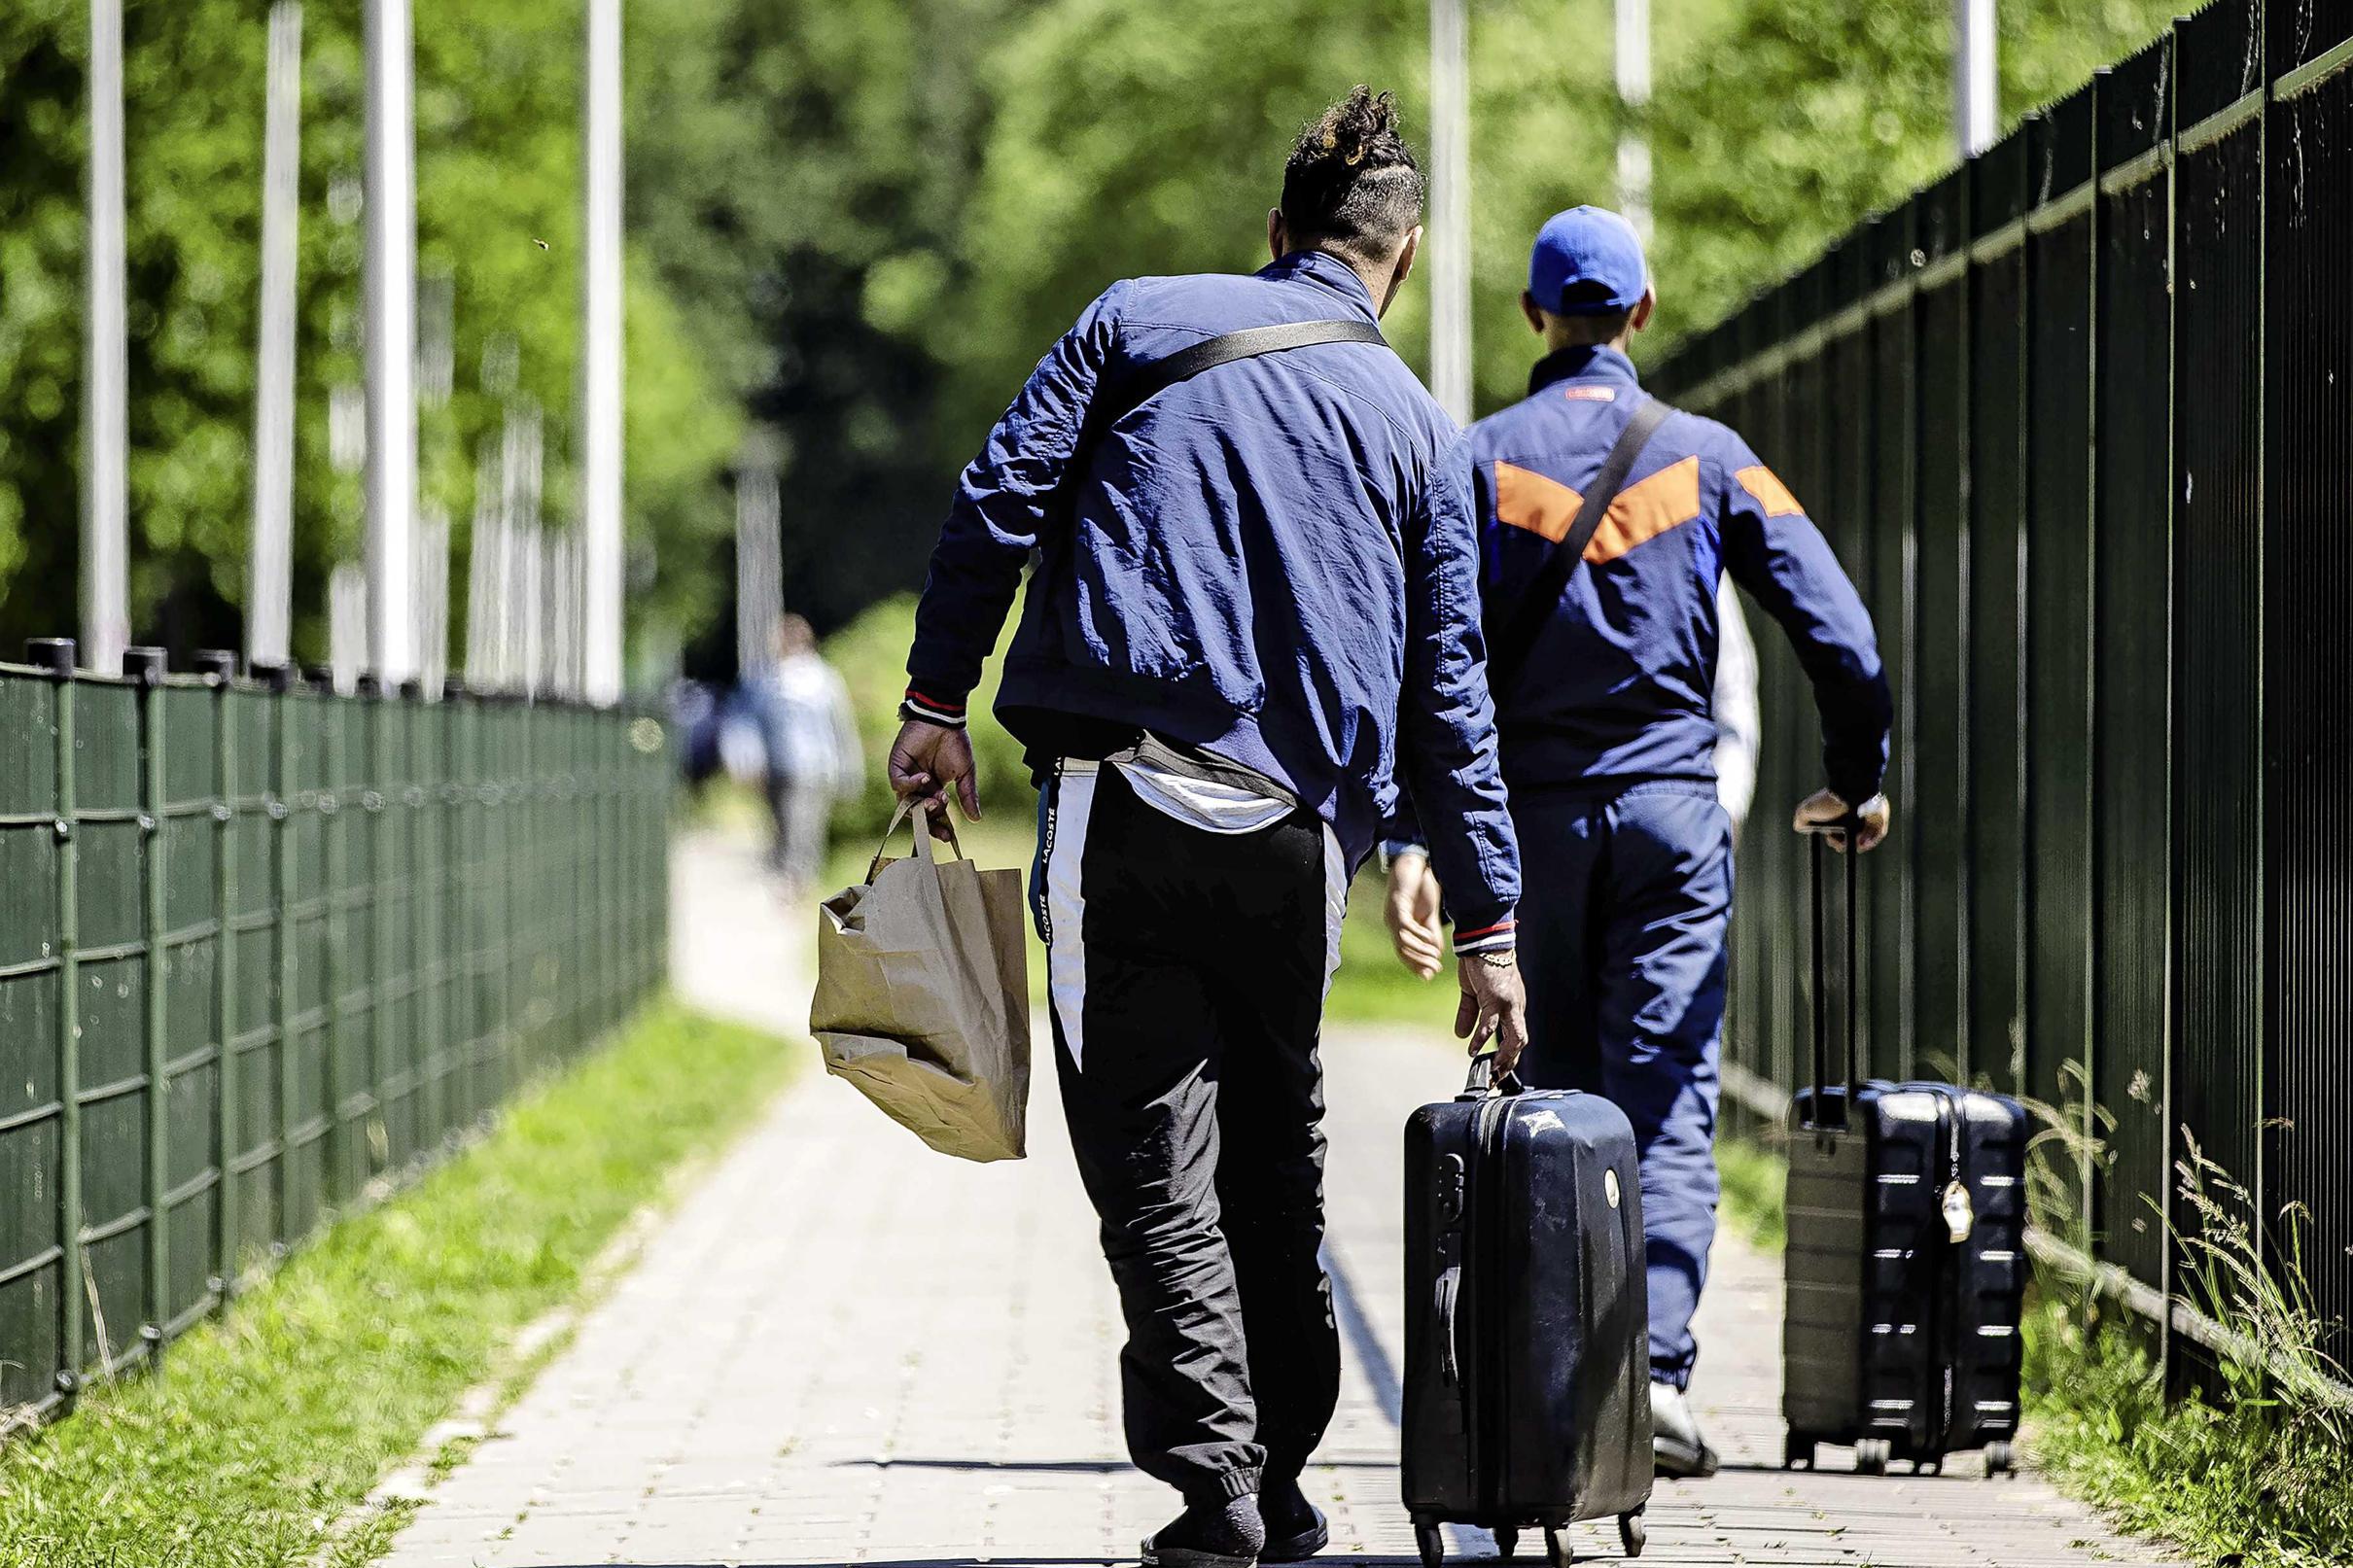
[498, 183]
[855, 221]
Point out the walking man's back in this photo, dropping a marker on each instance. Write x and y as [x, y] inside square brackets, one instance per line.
[1604, 669]
[1256, 564]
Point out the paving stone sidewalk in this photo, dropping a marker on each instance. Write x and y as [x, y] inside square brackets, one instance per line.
[845, 1349]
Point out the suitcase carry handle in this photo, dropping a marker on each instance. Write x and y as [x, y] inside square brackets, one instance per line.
[1481, 1081]
[1850, 1066]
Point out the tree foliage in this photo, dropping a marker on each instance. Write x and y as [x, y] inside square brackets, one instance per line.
[856, 223]
[498, 187]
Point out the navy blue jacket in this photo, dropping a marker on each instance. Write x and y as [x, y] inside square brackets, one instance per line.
[1617, 688]
[1274, 560]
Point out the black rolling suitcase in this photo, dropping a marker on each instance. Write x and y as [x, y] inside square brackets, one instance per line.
[1907, 1254]
[1527, 1324]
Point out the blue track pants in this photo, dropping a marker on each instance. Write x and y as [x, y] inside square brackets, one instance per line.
[1622, 942]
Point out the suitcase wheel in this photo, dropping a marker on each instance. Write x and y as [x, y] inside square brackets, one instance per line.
[1999, 1460]
[1871, 1456]
[1631, 1535]
[1507, 1541]
[1430, 1542]
[1797, 1449]
[1557, 1550]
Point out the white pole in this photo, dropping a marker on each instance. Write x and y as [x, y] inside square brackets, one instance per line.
[105, 422]
[1974, 101]
[388, 282]
[1634, 96]
[1448, 249]
[601, 362]
[760, 577]
[270, 580]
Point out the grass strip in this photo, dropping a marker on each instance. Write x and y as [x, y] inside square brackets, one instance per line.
[270, 1422]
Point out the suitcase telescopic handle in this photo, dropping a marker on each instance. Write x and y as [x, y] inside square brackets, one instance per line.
[1850, 1066]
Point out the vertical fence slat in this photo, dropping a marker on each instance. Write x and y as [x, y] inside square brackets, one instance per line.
[145, 665]
[57, 655]
[2308, 711]
[2217, 1093]
[219, 670]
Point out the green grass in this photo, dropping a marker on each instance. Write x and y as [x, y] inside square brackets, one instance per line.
[2247, 1480]
[268, 1425]
[1755, 1182]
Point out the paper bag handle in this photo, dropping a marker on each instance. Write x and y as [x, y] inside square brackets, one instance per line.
[922, 810]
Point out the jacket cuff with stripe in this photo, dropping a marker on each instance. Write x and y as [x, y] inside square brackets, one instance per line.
[1484, 930]
[934, 703]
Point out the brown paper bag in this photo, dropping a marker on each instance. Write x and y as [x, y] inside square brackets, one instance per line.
[923, 996]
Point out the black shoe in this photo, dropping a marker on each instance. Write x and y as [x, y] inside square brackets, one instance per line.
[1677, 1449]
[1295, 1528]
[1221, 1533]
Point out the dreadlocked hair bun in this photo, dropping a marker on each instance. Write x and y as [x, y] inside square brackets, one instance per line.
[1351, 184]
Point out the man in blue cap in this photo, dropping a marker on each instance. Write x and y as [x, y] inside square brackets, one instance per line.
[1606, 521]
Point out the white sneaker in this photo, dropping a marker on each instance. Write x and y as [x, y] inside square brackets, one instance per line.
[1676, 1447]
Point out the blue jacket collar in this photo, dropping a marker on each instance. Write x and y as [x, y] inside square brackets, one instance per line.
[1583, 361]
[1321, 266]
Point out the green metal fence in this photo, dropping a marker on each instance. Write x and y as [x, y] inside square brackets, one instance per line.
[2080, 419]
[263, 947]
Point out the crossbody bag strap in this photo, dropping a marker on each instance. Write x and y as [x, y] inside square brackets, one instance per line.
[1518, 639]
[1147, 381]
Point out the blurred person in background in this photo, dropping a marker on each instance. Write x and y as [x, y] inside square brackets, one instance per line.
[809, 737]
[1251, 587]
[1610, 740]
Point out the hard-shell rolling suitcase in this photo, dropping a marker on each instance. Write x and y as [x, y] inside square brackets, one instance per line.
[1527, 1324]
[1906, 1257]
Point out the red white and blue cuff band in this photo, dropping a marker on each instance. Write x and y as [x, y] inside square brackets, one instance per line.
[932, 710]
[1494, 938]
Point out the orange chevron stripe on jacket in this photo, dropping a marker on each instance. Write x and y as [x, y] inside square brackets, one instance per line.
[1642, 511]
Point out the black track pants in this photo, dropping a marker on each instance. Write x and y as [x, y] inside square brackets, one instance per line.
[1187, 971]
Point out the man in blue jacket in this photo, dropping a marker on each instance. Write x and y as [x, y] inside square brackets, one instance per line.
[1608, 740]
[1250, 575]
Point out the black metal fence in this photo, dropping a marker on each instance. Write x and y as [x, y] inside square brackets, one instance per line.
[261, 947]
[2079, 419]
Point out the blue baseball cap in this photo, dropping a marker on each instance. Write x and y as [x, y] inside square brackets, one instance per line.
[1586, 261]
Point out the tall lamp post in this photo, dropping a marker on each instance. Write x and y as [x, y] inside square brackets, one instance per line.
[1450, 259]
[1633, 53]
[388, 280]
[1974, 104]
[601, 362]
[105, 565]
[270, 580]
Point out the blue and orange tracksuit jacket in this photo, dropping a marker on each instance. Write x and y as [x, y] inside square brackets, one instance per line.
[1275, 561]
[1616, 690]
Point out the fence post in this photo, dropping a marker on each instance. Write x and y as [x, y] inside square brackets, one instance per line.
[279, 678]
[220, 669]
[54, 655]
[375, 1146]
[145, 667]
[426, 862]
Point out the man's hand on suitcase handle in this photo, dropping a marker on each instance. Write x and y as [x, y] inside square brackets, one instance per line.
[1827, 813]
[1494, 1007]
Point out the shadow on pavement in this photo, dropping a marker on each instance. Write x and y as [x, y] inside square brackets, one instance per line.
[1061, 1467]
